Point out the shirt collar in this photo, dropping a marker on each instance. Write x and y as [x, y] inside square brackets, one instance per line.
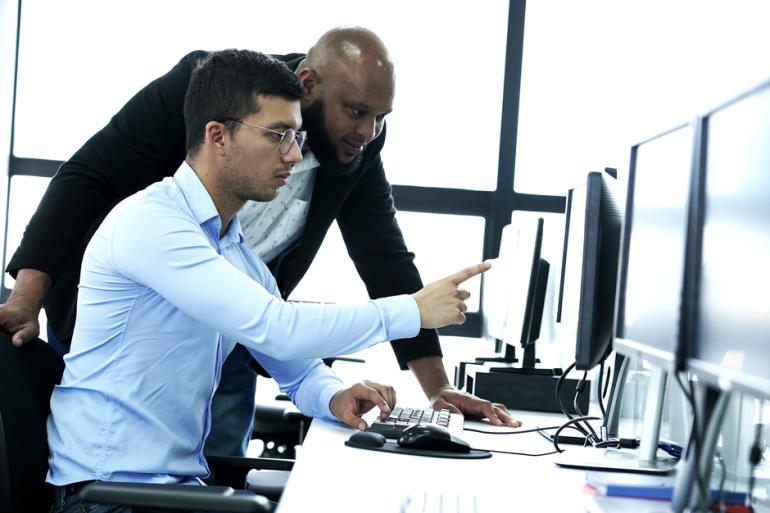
[202, 206]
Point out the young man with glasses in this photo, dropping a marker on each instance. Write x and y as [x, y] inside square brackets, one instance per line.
[168, 287]
[349, 83]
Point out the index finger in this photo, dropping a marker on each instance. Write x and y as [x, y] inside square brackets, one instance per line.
[468, 272]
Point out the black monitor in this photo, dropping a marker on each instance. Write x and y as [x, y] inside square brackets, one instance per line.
[727, 313]
[652, 256]
[589, 268]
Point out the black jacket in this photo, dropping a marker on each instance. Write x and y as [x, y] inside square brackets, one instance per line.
[145, 142]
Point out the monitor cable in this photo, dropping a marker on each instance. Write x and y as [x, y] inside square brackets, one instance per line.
[590, 438]
[563, 408]
[693, 444]
[755, 455]
[603, 385]
[533, 430]
[579, 390]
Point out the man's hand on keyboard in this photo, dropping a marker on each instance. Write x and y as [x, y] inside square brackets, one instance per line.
[350, 404]
[472, 407]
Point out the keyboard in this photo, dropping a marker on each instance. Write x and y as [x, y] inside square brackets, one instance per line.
[441, 502]
[401, 418]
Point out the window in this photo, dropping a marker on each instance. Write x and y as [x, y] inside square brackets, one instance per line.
[444, 129]
[600, 76]
[444, 132]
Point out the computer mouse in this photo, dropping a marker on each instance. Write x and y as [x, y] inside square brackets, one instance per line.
[432, 437]
[367, 439]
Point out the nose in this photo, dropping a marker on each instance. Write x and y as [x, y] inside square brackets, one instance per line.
[293, 156]
[367, 128]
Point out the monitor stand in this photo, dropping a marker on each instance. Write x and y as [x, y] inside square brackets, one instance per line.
[644, 461]
[612, 418]
[461, 369]
[509, 356]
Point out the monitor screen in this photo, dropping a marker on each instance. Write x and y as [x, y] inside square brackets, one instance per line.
[652, 254]
[496, 281]
[529, 275]
[592, 244]
[730, 339]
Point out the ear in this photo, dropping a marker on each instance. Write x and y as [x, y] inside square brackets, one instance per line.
[217, 137]
[311, 83]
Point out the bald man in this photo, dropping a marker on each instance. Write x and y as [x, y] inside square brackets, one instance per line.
[349, 83]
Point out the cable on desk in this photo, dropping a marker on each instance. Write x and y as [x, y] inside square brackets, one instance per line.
[533, 430]
[518, 453]
[569, 423]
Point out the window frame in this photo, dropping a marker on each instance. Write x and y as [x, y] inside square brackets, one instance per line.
[496, 207]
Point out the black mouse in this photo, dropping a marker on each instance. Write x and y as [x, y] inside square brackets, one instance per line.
[432, 437]
[366, 439]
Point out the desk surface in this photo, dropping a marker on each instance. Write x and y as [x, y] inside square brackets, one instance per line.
[329, 476]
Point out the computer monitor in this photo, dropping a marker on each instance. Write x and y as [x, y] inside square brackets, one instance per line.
[590, 268]
[727, 305]
[725, 328]
[650, 280]
[654, 240]
[516, 294]
[529, 278]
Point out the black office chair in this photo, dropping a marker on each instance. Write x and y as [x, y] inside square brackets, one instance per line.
[27, 378]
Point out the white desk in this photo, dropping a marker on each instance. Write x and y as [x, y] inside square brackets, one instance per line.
[329, 476]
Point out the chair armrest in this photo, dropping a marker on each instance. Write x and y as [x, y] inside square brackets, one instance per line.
[237, 462]
[329, 361]
[231, 470]
[175, 497]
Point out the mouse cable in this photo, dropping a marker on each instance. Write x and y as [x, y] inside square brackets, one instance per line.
[533, 430]
[518, 453]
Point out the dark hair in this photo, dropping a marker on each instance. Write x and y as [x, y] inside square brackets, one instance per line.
[224, 85]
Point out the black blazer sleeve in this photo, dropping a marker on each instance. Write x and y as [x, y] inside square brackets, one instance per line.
[143, 143]
[375, 243]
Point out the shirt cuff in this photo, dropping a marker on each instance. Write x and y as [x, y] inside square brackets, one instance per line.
[325, 399]
[400, 316]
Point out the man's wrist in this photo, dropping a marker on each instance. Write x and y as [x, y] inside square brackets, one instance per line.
[430, 373]
[31, 288]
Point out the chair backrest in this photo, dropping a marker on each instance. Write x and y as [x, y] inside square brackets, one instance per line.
[27, 377]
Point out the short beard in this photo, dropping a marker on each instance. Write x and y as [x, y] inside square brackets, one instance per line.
[314, 122]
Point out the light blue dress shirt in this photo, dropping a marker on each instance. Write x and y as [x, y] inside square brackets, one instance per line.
[162, 301]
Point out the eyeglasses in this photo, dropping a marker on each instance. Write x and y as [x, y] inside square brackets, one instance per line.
[288, 136]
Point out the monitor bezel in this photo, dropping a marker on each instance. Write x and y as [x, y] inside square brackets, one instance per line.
[595, 238]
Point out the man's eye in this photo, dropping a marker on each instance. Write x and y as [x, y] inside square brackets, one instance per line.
[356, 113]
